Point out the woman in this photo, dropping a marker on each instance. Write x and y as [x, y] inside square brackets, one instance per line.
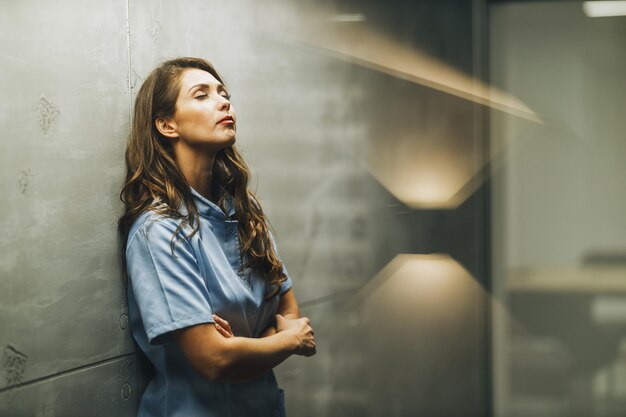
[210, 302]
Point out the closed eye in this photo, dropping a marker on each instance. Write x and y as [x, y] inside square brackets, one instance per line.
[203, 96]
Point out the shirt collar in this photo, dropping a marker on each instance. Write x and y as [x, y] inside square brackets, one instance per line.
[207, 207]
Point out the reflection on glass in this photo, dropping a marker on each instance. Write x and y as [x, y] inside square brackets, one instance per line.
[559, 227]
[604, 8]
[387, 54]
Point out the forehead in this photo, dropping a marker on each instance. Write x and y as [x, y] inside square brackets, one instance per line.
[193, 76]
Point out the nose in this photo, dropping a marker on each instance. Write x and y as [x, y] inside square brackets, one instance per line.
[224, 103]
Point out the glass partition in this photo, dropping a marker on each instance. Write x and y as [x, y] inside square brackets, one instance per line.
[559, 210]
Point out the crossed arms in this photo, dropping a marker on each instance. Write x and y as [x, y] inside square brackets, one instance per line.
[217, 354]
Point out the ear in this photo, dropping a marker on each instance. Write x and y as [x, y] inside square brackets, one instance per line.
[167, 127]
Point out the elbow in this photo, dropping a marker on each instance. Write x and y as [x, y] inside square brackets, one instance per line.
[212, 373]
[217, 369]
[208, 353]
[224, 371]
[221, 367]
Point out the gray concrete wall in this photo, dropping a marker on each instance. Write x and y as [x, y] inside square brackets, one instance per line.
[348, 137]
[64, 339]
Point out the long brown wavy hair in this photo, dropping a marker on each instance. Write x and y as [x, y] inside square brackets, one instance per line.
[154, 181]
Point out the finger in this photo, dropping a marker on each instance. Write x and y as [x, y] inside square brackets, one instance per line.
[222, 331]
[220, 320]
[226, 325]
[227, 329]
[223, 323]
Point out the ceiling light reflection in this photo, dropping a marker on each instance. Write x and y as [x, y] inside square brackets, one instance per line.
[356, 17]
[604, 8]
[364, 45]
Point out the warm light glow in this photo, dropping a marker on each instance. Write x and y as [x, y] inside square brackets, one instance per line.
[430, 273]
[424, 276]
[428, 193]
[431, 289]
[437, 172]
[604, 8]
[422, 288]
[430, 179]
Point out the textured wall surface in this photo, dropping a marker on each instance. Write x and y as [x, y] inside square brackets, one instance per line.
[366, 160]
[65, 116]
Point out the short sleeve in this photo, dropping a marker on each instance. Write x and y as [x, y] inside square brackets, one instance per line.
[288, 283]
[169, 290]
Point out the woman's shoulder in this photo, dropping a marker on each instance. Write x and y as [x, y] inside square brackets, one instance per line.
[153, 224]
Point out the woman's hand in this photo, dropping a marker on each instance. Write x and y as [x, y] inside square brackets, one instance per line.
[222, 326]
[302, 330]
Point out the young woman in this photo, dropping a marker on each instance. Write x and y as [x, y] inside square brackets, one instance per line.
[210, 302]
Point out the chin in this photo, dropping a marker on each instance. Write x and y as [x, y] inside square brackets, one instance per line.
[227, 142]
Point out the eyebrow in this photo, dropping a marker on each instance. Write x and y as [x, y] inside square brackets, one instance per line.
[204, 85]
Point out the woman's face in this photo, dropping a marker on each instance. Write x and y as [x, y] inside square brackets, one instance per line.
[201, 105]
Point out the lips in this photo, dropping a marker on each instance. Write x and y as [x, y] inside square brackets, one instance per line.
[226, 119]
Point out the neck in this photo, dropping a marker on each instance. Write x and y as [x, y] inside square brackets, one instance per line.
[197, 167]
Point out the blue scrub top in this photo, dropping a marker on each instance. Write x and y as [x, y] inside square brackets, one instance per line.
[168, 292]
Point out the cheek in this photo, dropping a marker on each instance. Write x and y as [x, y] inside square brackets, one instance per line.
[195, 121]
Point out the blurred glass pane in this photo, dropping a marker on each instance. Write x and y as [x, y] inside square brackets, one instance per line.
[559, 223]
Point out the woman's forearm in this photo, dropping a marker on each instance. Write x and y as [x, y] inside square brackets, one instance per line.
[288, 308]
[271, 329]
[217, 354]
[250, 358]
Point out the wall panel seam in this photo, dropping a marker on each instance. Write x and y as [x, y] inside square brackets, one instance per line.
[65, 372]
